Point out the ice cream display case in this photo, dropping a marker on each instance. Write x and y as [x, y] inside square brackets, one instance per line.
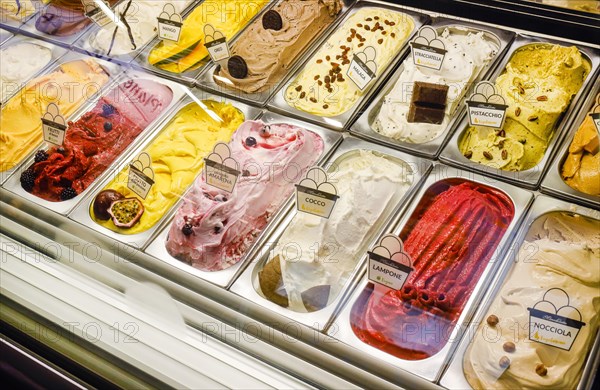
[324, 90]
[62, 22]
[472, 52]
[209, 21]
[575, 171]
[443, 231]
[13, 13]
[538, 327]
[171, 231]
[538, 112]
[296, 29]
[21, 58]
[138, 25]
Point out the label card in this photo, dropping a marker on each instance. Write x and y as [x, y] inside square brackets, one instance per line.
[428, 51]
[53, 125]
[95, 13]
[553, 321]
[389, 265]
[169, 23]
[363, 68]
[216, 44]
[486, 107]
[141, 175]
[315, 195]
[220, 170]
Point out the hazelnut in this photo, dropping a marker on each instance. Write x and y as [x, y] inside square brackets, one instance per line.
[504, 362]
[541, 370]
[509, 346]
[492, 320]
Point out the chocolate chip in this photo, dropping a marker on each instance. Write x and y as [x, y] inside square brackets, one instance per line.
[509, 346]
[272, 20]
[541, 370]
[299, 88]
[237, 67]
[302, 95]
[492, 320]
[380, 41]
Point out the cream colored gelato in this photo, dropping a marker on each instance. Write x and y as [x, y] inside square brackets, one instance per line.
[316, 256]
[18, 63]
[562, 251]
[467, 55]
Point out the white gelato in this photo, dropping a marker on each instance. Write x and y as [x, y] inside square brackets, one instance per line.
[18, 63]
[467, 55]
[561, 251]
[317, 252]
[141, 17]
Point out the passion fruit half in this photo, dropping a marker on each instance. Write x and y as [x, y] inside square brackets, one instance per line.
[126, 212]
[103, 201]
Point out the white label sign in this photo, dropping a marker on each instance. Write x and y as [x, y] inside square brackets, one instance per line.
[553, 321]
[53, 125]
[169, 23]
[95, 13]
[139, 183]
[315, 195]
[311, 201]
[389, 264]
[596, 118]
[216, 44]
[363, 68]
[486, 107]
[428, 50]
[220, 169]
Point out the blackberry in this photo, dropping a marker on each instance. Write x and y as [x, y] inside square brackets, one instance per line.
[28, 180]
[187, 229]
[107, 126]
[107, 110]
[40, 156]
[250, 142]
[68, 193]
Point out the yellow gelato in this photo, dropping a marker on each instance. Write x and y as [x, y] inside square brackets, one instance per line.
[538, 84]
[581, 169]
[20, 123]
[226, 16]
[177, 156]
[323, 87]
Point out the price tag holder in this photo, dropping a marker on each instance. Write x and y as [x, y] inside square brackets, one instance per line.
[315, 195]
[486, 107]
[428, 51]
[553, 322]
[141, 175]
[169, 24]
[216, 44]
[389, 265]
[220, 169]
[96, 14]
[53, 125]
[363, 68]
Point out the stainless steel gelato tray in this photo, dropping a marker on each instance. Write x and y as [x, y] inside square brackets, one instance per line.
[429, 146]
[538, 365]
[48, 89]
[176, 56]
[332, 90]
[118, 181]
[97, 165]
[52, 54]
[61, 25]
[425, 338]
[14, 13]
[5, 35]
[123, 42]
[208, 79]
[338, 245]
[528, 92]
[225, 277]
[553, 183]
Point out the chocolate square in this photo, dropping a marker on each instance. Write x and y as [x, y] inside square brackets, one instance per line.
[424, 114]
[430, 94]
